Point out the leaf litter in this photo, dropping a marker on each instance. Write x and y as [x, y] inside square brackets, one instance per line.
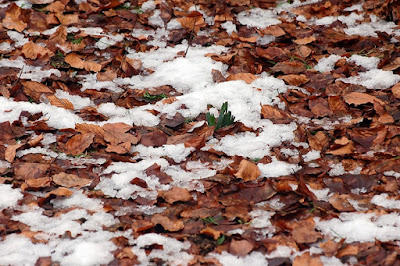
[113, 148]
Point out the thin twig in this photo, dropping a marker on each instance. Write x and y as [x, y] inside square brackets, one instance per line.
[191, 37]
[19, 77]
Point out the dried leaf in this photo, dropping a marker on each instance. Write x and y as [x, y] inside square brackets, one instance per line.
[320, 107]
[35, 86]
[347, 149]
[59, 36]
[270, 53]
[208, 231]
[295, 80]
[273, 30]
[175, 194]
[34, 51]
[121, 148]
[78, 143]
[304, 51]
[13, 19]
[194, 21]
[10, 152]
[306, 260]
[38, 182]
[30, 170]
[69, 180]
[358, 98]
[75, 61]
[240, 247]
[68, 19]
[270, 112]
[305, 40]
[167, 223]
[35, 141]
[61, 191]
[248, 171]
[63, 103]
[305, 235]
[246, 77]
[396, 90]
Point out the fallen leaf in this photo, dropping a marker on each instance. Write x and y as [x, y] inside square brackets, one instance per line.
[246, 77]
[330, 248]
[34, 86]
[30, 170]
[121, 148]
[295, 80]
[270, 112]
[304, 51]
[155, 170]
[38, 182]
[240, 247]
[193, 22]
[306, 260]
[273, 30]
[175, 194]
[78, 143]
[35, 141]
[115, 134]
[68, 19]
[167, 223]
[208, 231]
[63, 103]
[289, 67]
[347, 149]
[358, 98]
[69, 180]
[41, 2]
[76, 61]
[55, 7]
[320, 107]
[341, 203]
[154, 138]
[248, 171]
[305, 40]
[60, 191]
[59, 36]
[13, 19]
[396, 90]
[305, 235]
[34, 51]
[10, 152]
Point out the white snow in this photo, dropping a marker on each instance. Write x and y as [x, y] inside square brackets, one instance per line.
[258, 17]
[374, 79]
[9, 196]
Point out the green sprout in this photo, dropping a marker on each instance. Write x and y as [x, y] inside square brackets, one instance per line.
[225, 118]
[221, 240]
[73, 39]
[154, 97]
[210, 220]
[306, 65]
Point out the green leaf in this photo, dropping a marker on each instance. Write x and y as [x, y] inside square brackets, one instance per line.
[221, 240]
[210, 119]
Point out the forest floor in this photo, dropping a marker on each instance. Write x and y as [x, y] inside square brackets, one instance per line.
[112, 153]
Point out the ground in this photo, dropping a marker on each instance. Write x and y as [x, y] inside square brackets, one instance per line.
[172, 132]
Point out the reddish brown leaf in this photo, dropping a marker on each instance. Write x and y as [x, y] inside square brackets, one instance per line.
[76, 61]
[396, 90]
[67, 19]
[33, 51]
[69, 180]
[305, 235]
[358, 98]
[175, 194]
[248, 171]
[304, 51]
[121, 148]
[35, 141]
[270, 53]
[208, 231]
[246, 77]
[155, 169]
[59, 36]
[154, 138]
[61, 191]
[194, 21]
[305, 40]
[78, 143]
[240, 247]
[330, 248]
[320, 107]
[30, 170]
[10, 152]
[36, 87]
[273, 30]
[289, 67]
[63, 103]
[38, 182]
[14, 18]
[295, 80]
[341, 203]
[167, 223]
[306, 260]
[115, 134]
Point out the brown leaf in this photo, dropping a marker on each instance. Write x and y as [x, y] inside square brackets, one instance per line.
[358, 98]
[75, 61]
[59, 36]
[175, 194]
[90, 128]
[246, 77]
[306, 260]
[63, 103]
[167, 223]
[35, 141]
[320, 107]
[270, 53]
[108, 75]
[115, 134]
[41, 2]
[304, 51]
[55, 7]
[33, 51]
[340, 202]
[305, 235]
[273, 30]
[154, 138]
[240, 247]
[289, 67]
[37, 87]
[38, 182]
[270, 112]
[78, 143]
[248, 171]
[347, 149]
[194, 21]
[295, 80]
[305, 40]
[121, 148]
[67, 19]
[318, 141]
[330, 248]
[14, 18]
[61, 191]
[10, 152]
[155, 169]
[69, 180]
[30, 170]
[208, 231]
[396, 90]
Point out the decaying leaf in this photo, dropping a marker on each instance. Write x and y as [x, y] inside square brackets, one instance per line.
[34, 51]
[175, 194]
[295, 80]
[69, 180]
[240, 247]
[248, 171]
[246, 77]
[10, 152]
[208, 231]
[76, 61]
[14, 18]
[306, 259]
[167, 223]
[63, 103]
[78, 143]
[358, 98]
